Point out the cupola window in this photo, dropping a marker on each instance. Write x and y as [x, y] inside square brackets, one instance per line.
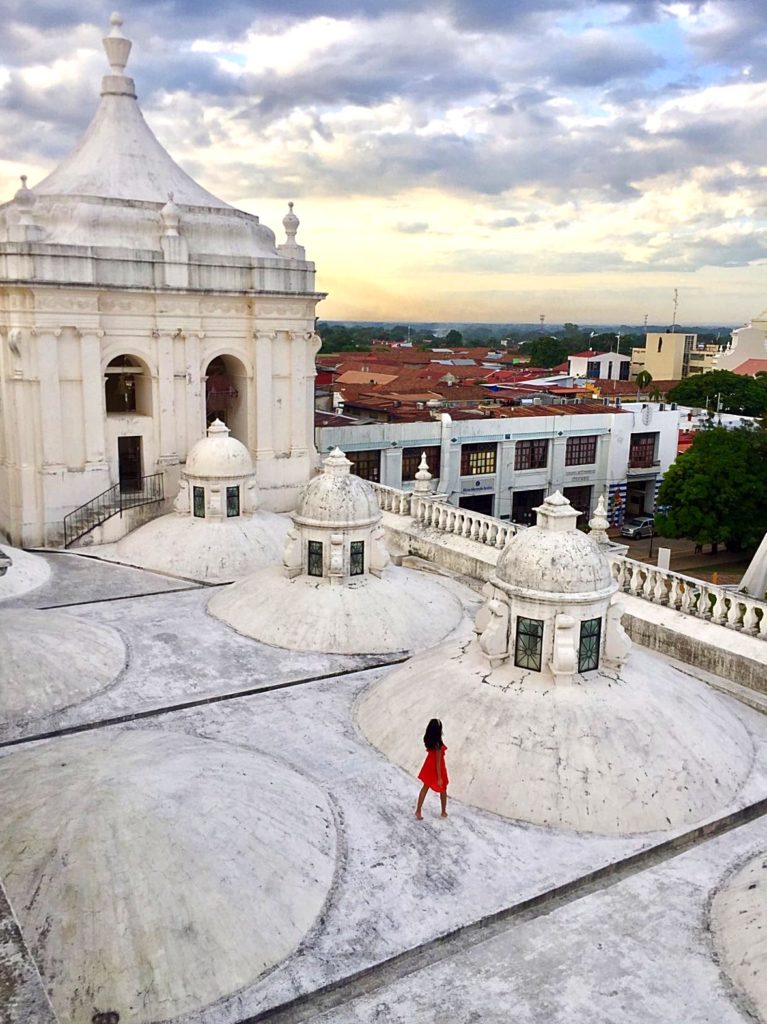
[529, 643]
[232, 501]
[588, 648]
[314, 560]
[357, 558]
[198, 502]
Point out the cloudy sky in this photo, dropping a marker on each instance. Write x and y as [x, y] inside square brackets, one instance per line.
[455, 160]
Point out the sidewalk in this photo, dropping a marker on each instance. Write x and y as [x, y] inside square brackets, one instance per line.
[728, 565]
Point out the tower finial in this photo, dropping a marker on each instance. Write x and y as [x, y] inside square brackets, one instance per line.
[117, 46]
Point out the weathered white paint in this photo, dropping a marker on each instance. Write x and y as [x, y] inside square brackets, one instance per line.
[401, 611]
[96, 262]
[739, 926]
[26, 572]
[50, 660]
[155, 873]
[648, 750]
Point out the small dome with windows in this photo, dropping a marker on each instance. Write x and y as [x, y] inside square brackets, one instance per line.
[336, 590]
[217, 532]
[337, 497]
[218, 455]
[553, 556]
[586, 734]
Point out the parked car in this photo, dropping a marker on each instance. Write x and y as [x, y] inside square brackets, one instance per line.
[638, 526]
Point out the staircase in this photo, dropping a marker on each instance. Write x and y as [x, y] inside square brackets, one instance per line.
[112, 502]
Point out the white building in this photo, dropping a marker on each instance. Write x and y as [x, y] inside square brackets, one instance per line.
[135, 307]
[599, 365]
[747, 342]
[506, 466]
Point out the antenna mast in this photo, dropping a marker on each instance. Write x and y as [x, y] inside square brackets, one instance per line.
[676, 304]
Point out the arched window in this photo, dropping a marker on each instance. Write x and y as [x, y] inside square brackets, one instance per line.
[127, 387]
[226, 387]
[660, 344]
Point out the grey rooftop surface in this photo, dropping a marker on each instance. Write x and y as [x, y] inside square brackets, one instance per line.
[423, 921]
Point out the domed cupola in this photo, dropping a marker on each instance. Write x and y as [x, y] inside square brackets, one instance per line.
[336, 590]
[216, 531]
[548, 604]
[337, 531]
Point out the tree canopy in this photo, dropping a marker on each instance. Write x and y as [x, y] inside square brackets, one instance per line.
[546, 351]
[716, 491]
[735, 393]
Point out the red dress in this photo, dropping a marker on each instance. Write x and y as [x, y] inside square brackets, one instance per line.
[428, 773]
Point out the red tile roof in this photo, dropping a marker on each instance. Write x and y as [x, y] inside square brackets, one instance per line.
[751, 367]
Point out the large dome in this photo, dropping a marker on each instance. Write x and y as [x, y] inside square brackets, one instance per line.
[336, 497]
[111, 190]
[552, 557]
[649, 750]
[738, 922]
[155, 873]
[26, 572]
[218, 455]
[50, 660]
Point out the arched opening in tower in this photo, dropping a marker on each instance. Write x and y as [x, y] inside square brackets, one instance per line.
[226, 394]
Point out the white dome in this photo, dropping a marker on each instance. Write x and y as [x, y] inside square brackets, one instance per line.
[50, 660]
[171, 871]
[26, 572]
[650, 750]
[739, 928]
[214, 551]
[337, 498]
[218, 455]
[553, 556]
[401, 611]
[111, 189]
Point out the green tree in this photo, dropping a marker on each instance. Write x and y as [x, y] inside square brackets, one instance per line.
[716, 491]
[729, 392]
[546, 351]
[453, 338]
[643, 380]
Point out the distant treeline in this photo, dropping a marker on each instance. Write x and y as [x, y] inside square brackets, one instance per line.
[545, 347]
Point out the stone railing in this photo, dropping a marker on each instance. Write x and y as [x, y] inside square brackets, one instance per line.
[439, 515]
[693, 597]
[391, 499]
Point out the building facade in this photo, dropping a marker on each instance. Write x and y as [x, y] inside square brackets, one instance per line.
[135, 308]
[506, 466]
[599, 365]
[672, 356]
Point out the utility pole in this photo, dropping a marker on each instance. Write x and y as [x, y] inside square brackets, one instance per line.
[645, 323]
[542, 318]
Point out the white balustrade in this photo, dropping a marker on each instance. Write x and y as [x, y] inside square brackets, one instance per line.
[693, 597]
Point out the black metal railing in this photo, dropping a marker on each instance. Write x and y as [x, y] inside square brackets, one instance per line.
[111, 502]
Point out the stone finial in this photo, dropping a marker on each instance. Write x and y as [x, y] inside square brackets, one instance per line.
[423, 477]
[599, 523]
[290, 248]
[336, 464]
[556, 513]
[290, 222]
[117, 47]
[218, 429]
[25, 199]
[170, 215]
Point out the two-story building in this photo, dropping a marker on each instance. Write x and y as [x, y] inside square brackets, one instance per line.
[505, 464]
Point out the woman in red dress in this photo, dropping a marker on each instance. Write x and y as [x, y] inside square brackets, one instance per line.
[433, 774]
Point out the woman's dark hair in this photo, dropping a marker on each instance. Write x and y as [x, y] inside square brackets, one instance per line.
[432, 738]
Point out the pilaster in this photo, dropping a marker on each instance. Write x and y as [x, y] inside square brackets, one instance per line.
[264, 396]
[94, 408]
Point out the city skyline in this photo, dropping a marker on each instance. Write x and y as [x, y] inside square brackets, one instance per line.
[455, 161]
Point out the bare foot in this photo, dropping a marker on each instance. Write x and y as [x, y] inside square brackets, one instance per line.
[444, 814]
[419, 816]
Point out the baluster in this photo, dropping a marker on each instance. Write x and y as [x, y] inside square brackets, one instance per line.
[719, 613]
[734, 614]
[500, 537]
[762, 628]
[474, 528]
[660, 593]
[649, 584]
[703, 604]
[675, 592]
[750, 618]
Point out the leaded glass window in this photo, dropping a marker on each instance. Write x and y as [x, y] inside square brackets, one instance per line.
[529, 643]
[357, 558]
[588, 649]
[198, 502]
[232, 501]
[314, 567]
